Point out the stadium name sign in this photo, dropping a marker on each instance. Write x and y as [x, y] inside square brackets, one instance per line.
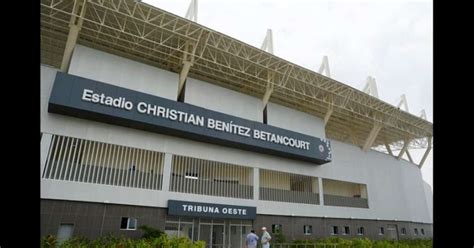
[189, 118]
[86, 98]
[199, 209]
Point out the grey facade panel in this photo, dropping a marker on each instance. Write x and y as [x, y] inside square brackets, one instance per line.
[96, 219]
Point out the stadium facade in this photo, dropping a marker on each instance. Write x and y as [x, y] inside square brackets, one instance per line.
[150, 119]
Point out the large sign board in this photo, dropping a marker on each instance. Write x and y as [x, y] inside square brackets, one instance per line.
[93, 100]
[210, 210]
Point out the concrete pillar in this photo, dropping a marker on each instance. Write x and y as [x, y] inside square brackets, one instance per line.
[321, 191]
[44, 149]
[70, 45]
[256, 184]
[167, 172]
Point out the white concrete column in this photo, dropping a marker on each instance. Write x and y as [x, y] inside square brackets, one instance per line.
[256, 183]
[167, 172]
[321, 191]
[70, 45]
[44, 149]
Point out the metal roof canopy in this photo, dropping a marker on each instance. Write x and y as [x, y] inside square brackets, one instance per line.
[144, 33]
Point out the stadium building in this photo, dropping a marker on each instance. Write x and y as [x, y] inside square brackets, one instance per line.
[148, 118]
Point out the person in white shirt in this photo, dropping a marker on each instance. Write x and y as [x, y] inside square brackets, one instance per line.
[265, 238]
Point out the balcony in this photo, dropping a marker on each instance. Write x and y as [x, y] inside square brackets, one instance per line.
[270, 194]
[344, 201]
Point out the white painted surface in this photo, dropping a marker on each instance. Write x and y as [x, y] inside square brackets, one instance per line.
[223, 100]
[395, 187]
[112, 69]
[291, 119]
[429, 199]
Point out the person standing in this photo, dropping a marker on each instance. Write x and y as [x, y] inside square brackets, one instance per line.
[251, 240]
[265, 238]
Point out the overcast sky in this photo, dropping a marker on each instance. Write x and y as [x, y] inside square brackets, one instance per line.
[386, 39]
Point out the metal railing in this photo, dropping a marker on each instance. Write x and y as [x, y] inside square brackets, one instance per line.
[344, 201]
[270, 194]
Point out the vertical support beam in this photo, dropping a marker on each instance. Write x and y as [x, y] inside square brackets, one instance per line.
[256, 183]
[423, 114]
[328, 114]
[371, 87]
[267, 44]
[409, 156]
[183, 75]
[321, 191]
[269, 90]
[75, 25]
[188, 61]
[426, 153]
[403, 100]
[405, 147]
[167, 172]
[44, 149]
[267, 95]
[325, 67]
[192, 12]
[388, 149]
[373, 134]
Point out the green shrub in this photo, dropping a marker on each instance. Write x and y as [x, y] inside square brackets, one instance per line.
[110, 241]
[384, 244]
[150, 232]
[49, 241]
[76, 242]
[361, 243]
[199, 244]
[366, 243]
[279, 237]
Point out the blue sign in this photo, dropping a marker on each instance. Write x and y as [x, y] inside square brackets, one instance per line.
[210, 210]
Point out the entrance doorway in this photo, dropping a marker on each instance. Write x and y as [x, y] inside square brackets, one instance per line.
[213, 233]
[65, 232]
[217, 233]
[392, 232]
[237, 235]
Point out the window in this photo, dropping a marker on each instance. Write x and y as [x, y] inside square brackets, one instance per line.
[347, 231]
[334, 230]
[308, 230]
[276, 228]
[416, 231]
[404, 231]
[360, 230]
[381, 231]
[422, 231]
[128, 223]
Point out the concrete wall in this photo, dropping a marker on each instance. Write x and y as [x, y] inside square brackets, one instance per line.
[93, 219]
[429, 199]
[284, 117]
[112, 69]
[395, 187]
[223, 100]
